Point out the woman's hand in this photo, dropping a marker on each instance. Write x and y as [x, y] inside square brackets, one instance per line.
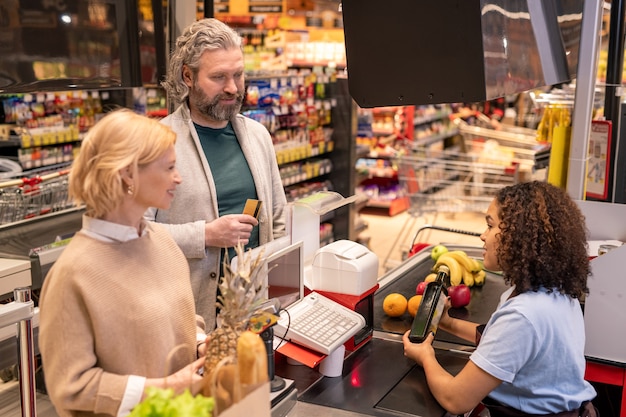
[186, 378]
[419, 352]
[463, 329]
[202, 347]
[445, 322]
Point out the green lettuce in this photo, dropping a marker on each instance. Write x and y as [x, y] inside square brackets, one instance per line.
[161, 402]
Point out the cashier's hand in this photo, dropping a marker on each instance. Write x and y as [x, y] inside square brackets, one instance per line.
[228, 230]
[419, 352]
[445, 322]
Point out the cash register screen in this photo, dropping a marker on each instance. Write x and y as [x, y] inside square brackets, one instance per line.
[284, 266]
[285, 276]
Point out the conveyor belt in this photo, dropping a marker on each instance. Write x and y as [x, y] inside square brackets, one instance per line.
[483, 302]
[377, 379]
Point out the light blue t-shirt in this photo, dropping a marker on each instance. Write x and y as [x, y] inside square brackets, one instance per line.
[535, 344]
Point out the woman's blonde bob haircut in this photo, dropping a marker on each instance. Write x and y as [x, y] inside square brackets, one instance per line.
[121, 140]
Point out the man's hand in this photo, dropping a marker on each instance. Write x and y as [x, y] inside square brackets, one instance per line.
[227, 231]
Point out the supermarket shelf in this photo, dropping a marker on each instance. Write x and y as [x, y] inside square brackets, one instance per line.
[390, 208]
[429, 140]
[420, 120]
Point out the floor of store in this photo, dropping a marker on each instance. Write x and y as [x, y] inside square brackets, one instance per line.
[10, 402]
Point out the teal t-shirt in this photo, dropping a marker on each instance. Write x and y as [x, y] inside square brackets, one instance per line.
[231, 173]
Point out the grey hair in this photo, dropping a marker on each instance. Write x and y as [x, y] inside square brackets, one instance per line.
[203, 35]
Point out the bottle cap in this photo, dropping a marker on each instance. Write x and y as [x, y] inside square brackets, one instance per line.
[444, 269]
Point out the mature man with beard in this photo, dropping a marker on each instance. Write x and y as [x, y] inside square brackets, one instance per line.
[223, 157]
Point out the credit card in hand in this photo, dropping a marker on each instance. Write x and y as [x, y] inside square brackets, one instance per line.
[252, 207]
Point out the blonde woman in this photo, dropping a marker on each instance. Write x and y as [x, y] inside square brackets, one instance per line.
[117, 310]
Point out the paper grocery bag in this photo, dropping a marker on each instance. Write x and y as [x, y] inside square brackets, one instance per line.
[226, 387]
[256, 403]
[234, 399]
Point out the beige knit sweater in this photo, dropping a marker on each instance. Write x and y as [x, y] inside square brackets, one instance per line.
[110, 310]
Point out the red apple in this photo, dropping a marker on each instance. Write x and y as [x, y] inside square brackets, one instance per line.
[460, 295]
[419, 290]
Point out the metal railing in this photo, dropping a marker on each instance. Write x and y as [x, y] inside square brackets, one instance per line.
[20, 312]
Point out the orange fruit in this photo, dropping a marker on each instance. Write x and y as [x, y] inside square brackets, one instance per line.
[394, 304]
[413, 304]
[430, 277]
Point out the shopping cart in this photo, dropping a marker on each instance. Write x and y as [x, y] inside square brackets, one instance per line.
[416, 246]
[508, 144]
[465, 178]
[25, 198]
[448, 181]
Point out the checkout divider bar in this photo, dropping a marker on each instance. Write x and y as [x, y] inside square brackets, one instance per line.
[20, 312]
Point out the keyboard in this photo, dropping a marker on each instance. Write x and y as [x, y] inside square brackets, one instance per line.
[318, 323]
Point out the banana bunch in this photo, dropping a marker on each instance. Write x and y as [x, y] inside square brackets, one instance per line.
[463, 269]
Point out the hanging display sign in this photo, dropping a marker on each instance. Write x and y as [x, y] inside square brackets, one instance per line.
[248, 7]
[221, 6]
[599, 159]
[265, 6]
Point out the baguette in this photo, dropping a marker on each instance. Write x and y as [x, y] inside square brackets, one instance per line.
[251, 359]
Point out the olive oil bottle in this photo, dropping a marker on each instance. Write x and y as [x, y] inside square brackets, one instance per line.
[431, 308]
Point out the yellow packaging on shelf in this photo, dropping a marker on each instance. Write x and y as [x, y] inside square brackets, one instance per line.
[5, 132]
[559, 156]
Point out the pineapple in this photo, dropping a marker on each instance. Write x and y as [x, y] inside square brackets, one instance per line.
[241, 293]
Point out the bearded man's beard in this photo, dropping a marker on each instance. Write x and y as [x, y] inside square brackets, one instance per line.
[212, 107]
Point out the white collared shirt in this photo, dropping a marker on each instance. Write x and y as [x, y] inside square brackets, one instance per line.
[106, 231]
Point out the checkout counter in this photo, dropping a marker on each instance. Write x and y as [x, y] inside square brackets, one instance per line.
[377, 379]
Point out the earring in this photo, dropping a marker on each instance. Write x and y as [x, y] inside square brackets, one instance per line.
[131, 189]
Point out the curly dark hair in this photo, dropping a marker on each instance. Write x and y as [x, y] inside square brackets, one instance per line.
[542, 239]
